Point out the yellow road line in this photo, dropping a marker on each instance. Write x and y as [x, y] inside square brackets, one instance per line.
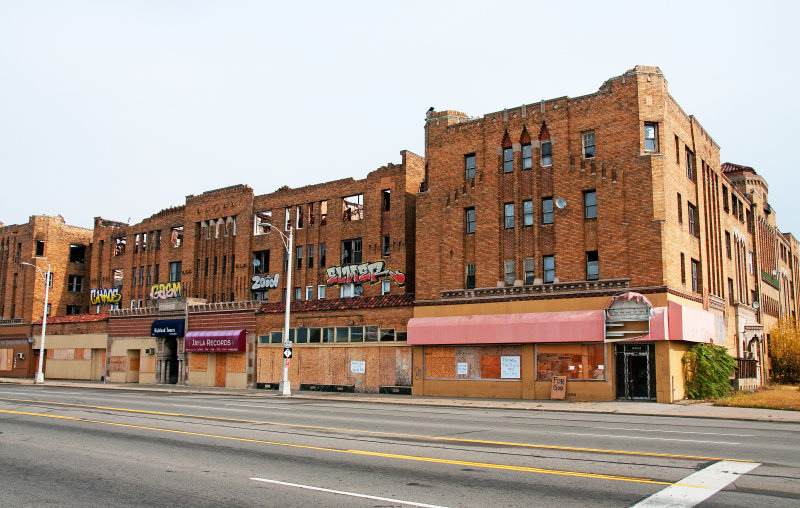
[394, 434]
[362, 452]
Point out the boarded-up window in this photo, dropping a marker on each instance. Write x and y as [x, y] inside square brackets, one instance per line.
[473, 362]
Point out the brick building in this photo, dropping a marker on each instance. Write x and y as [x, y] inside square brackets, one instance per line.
[190, 269]
[541, 216]
[42, 241]
[594, 238]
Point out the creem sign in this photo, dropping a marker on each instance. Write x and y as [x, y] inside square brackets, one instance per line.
[165, 290]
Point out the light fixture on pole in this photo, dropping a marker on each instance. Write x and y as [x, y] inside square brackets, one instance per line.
[46, 277]
[285, 386]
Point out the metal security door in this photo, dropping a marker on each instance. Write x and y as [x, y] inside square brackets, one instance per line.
[635, 376]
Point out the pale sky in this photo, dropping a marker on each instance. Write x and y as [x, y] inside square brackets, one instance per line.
[120, 109]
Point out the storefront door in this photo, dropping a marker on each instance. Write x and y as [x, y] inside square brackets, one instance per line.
[635, 371]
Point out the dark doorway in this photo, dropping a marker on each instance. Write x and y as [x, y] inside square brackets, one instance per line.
[635, 371]
[171, 351]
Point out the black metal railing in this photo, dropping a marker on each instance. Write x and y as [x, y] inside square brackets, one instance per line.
[746, 368]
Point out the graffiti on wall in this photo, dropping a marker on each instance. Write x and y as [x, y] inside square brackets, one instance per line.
[165, 290]
[105, 295]
[364, 272]
[262, 283]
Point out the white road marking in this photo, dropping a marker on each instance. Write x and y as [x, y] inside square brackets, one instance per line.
[647, 438]
[711, 480]
[675, 431]
[351, 494]
[209, 407]
[255, 406]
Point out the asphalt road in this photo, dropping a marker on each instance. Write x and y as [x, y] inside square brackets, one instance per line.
[86, 447]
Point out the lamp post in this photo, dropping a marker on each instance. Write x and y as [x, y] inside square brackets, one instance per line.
[46, 277]
[285, 387]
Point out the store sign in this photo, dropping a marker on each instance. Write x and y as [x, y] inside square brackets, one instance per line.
[166, 290]
[223, 341]
[372, 273]
[627, 317]
[106, 295]
[168, 328]
[265, 282]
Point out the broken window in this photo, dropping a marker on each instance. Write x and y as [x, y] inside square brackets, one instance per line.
[351, 251]
[386, 201]
[176, 237]
[323, 213]
[119, 245]
[117, 276]
[158, 240]
[77, 253]
[299, 212]
[288, 219]
[311, 215]
[262, 220]
[353, 208]
[39, 248]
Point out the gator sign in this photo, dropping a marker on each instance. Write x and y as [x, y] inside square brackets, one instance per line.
[105, 295]
[166, 290]
[361, 273]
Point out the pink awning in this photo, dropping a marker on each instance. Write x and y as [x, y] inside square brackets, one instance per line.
[570, 326]
[216, 341]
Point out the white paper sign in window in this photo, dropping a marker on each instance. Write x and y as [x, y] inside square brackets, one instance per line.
[357, 367]
[509, 367]
[461, 369]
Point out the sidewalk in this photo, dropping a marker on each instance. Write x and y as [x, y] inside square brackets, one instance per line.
[682, 409]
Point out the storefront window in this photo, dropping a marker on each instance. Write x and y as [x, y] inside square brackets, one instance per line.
[473, 362]
[575, 361]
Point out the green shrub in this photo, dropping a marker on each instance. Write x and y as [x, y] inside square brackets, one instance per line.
[708, 370]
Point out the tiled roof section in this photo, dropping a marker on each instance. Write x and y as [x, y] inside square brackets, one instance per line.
[75, 318]
[729, 167]
[370, 302]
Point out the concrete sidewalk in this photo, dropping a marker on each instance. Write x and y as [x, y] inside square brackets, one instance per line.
[682, 409]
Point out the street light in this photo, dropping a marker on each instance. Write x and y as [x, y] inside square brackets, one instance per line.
[285, 387]
[46, 277]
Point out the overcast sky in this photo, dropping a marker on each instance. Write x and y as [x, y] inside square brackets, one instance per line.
[120, 109]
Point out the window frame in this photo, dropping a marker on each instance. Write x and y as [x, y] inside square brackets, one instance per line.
[508, 216]
[589, 209]
[548, 212]
[508, 160]
[469, 271]
[527, 156]
[592, 265]
[589, 149]
[546, 155]
[469, 166]
[653, 139]
[548, 273]
[469, 221]
[527, 212]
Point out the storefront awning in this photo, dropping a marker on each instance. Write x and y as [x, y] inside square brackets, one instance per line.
[570, 326]
[218, 341]
[167, 328]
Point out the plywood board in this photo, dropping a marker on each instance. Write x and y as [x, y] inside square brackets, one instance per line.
[236, 362]
[198, 362]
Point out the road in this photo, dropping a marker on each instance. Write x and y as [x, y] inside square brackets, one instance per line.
[91, 447]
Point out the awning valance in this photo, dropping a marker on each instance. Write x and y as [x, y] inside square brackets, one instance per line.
[167, 328]
[216, 341]
[570, 326]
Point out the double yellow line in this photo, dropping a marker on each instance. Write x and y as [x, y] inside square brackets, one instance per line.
[363, 452]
